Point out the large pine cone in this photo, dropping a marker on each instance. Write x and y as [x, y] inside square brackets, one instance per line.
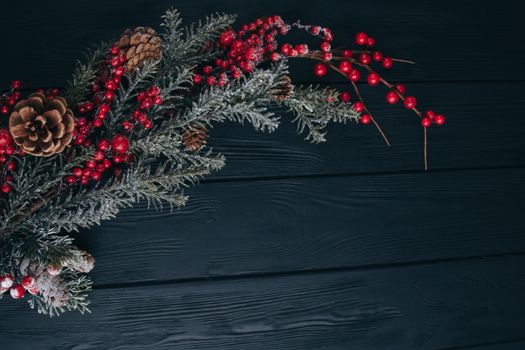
[139, 45]
[42, 126]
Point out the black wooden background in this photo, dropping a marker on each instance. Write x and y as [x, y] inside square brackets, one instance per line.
[344, 245]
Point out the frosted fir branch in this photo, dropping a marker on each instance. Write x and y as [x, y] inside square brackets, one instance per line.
[246, 100]
[127, 92]
[189, 48]
[173, 33]
[75, 285]
[84, 76]
[315, 107]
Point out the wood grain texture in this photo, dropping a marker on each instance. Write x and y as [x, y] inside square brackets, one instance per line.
[245, 227]
[450, 40]
[420, 307]
[484, 129]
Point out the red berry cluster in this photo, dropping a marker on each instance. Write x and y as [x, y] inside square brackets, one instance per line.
[107, 154]
[243, 50]
[91, 117]
[146, 100]
[17, 290]
[351, 67]
[7, 147]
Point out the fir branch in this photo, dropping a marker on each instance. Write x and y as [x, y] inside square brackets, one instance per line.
[84, 76]
[189, 49]
[315, 107]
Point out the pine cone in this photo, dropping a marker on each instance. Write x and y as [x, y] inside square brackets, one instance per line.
[84, 262]
[53, 289]
[42, 126]
[283, 90]
[194, 138]
[139, 45]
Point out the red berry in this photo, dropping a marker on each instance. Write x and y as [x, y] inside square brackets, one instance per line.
[370, 41]
[361, 38]
[364, 58]
[114, 50]
[410, 102]
[320, 70]
[430, 114]
[91, 164]
[33, 291]
[109, 95]
[327, 56]
[274, 56]
[392, 97]
[157, 100]
[426, 122]
[5, 138]
[373, 79]
[96, 176]
[6, 281]
[6, 188]
[365, 119]
[227, 37]
[111, 85]
[377, 56]
[16, 84]
[120, 143]
[126, 125]
[106, 163]
[210, 80]
[387, 63]
[302, 49]
[439, 119]
[207, 70]
[11, 166]
[28, 282]
[70, 179]
[103, 144]
[99, 155]
[97, 123]
[17, 291]
[345, 66]
[345, 96]
[325, 46]
[4, 110]
[100, 168]
[347, 53]
[120, 71]
[286, 49]
[315, 30]
[77, 171]
[84, 180]
[197, 78]
[359, 107]
[401, 88]
[354, 75]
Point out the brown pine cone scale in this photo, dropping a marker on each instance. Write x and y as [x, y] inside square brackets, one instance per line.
[42, 126]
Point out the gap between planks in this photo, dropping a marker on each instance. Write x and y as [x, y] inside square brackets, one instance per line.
[274, 274]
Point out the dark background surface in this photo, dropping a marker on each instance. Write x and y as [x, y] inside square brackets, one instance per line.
[344, 245]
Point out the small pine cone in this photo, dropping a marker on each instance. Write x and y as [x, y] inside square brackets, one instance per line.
[140, 45]
[283, 90]
[83, 263]
[194, 138]
[53, 289]
[42, 126]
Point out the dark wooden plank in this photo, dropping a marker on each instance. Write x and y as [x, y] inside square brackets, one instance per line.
[484, 128]
[450, 40]
[314, 223]
[419, 307]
